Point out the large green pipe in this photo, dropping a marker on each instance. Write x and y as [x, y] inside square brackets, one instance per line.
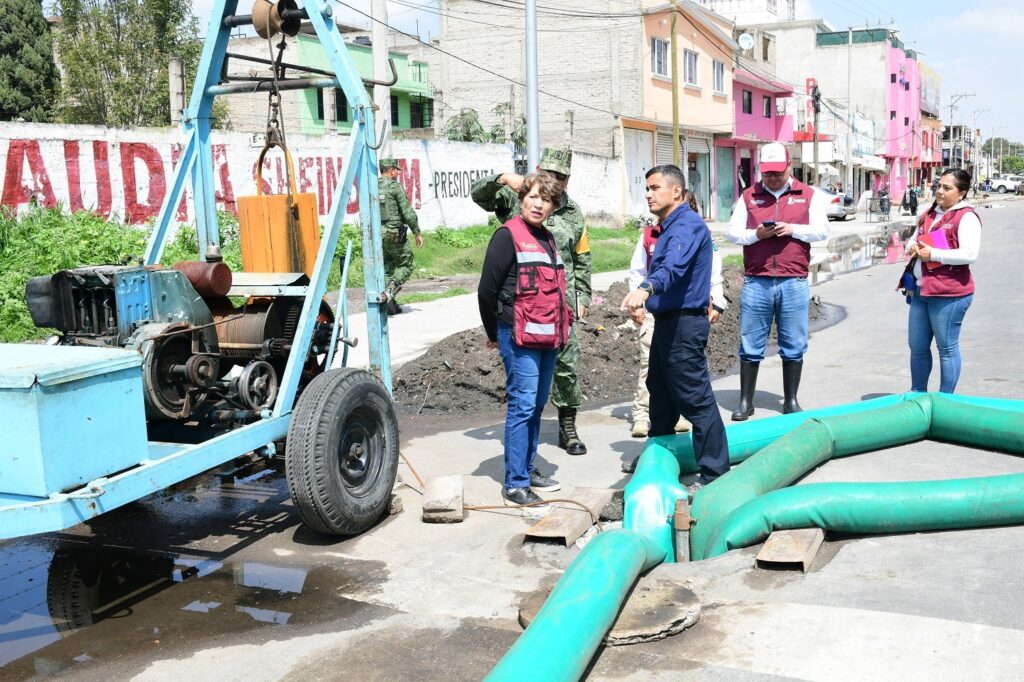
[650, 495]
[795, 454]
[801, 450]
[567, 631]
[976, 424]
[746, 438]
[582, 608]
[874, 508]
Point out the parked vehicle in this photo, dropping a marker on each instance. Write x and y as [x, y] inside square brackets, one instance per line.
[1007, 183]
[839, 205]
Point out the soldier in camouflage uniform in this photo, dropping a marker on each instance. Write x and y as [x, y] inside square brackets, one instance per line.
[499, 193]
[396, 217]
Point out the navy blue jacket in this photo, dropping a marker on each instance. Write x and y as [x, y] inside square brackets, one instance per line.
[680, 272]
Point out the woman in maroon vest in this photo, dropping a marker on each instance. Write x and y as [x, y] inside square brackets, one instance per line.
[938, 280]
[525, 315]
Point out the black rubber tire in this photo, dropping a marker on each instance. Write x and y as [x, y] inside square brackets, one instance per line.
[339, 410]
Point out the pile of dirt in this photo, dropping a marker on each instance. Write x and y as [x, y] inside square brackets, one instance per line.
[460, 375]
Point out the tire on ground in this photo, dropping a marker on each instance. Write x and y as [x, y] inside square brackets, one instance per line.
[341, 458]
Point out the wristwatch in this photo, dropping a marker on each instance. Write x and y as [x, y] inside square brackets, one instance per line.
[646, 286]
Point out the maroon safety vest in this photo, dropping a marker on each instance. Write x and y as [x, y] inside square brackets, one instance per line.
[778, 256]
[946, 280]
[542, 317]
[651, 234]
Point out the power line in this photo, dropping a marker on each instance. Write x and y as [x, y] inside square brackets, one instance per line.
[504, 26]
[477, 66]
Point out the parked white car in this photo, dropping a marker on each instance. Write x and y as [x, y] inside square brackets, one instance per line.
[1007, 183]
[840, 206]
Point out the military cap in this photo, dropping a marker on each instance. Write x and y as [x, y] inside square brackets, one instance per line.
[388, 163]
[556, 161]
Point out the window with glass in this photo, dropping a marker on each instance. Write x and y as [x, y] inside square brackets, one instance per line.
[718, 69]
[340, 105]
[394, 111]
[690, 67]
[659, 57]
[748, 102]
[421, 113]
[766, 106]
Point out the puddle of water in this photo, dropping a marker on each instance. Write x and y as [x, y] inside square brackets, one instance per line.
[66, 603]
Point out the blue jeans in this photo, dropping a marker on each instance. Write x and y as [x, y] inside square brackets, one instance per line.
[783, 298]
[940, 317]
[528, 373]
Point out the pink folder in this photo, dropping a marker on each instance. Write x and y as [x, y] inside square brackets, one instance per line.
[937, 240]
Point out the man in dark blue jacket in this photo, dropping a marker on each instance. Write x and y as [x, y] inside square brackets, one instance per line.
[677, 292]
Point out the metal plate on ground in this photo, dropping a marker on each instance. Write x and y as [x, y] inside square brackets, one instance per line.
[657, 608]
[788, 549]
[567, 522]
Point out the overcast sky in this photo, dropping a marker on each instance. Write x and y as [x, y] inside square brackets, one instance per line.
[974, 47]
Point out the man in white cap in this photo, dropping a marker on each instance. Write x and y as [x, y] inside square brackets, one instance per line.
[775, 220]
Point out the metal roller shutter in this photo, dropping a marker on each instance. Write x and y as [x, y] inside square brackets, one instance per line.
[665, 148]
[698, 145]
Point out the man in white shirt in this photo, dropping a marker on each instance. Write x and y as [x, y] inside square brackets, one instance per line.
[775, 221]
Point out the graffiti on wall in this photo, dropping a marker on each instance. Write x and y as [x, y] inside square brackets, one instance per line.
[53, 179]
[458, 183]
[126, 174]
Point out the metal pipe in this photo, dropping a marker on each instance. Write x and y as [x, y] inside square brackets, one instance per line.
[268, 85]
[246, 19]
[532, 101]
[675, 90]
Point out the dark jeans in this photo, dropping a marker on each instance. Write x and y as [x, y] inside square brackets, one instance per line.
[680, 384]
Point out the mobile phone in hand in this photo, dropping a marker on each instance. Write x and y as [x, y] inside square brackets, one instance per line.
[769, 225]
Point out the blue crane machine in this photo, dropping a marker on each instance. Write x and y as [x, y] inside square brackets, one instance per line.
[159, 374]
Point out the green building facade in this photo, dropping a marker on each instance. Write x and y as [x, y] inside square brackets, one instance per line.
[412, 104]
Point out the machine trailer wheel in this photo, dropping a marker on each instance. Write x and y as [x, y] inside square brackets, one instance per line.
[342, 452]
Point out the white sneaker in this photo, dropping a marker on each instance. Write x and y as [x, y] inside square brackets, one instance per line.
[682, 426]
[640, 429]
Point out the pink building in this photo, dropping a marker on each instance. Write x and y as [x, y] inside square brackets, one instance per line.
[760, 115]
[903, 127]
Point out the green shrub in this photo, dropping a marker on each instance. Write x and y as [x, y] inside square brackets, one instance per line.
[45, 240]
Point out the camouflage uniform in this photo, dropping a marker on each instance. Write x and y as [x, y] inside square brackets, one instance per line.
[567, 227]
[395, 211]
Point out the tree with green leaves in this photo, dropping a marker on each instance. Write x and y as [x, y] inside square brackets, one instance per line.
[115, 55]
[1013, 165]
[466, 127]
[28, 76]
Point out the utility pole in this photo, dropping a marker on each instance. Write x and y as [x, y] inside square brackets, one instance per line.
[178, 92]
[848, 182]
[675, 90]
[974, 147]
[532, 101]
[816, 103]
[379, 53]
[953, 99]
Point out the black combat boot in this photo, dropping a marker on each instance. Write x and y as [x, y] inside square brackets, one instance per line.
[748, 381]
[568, 439]
[391, 298]
[790, 384]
